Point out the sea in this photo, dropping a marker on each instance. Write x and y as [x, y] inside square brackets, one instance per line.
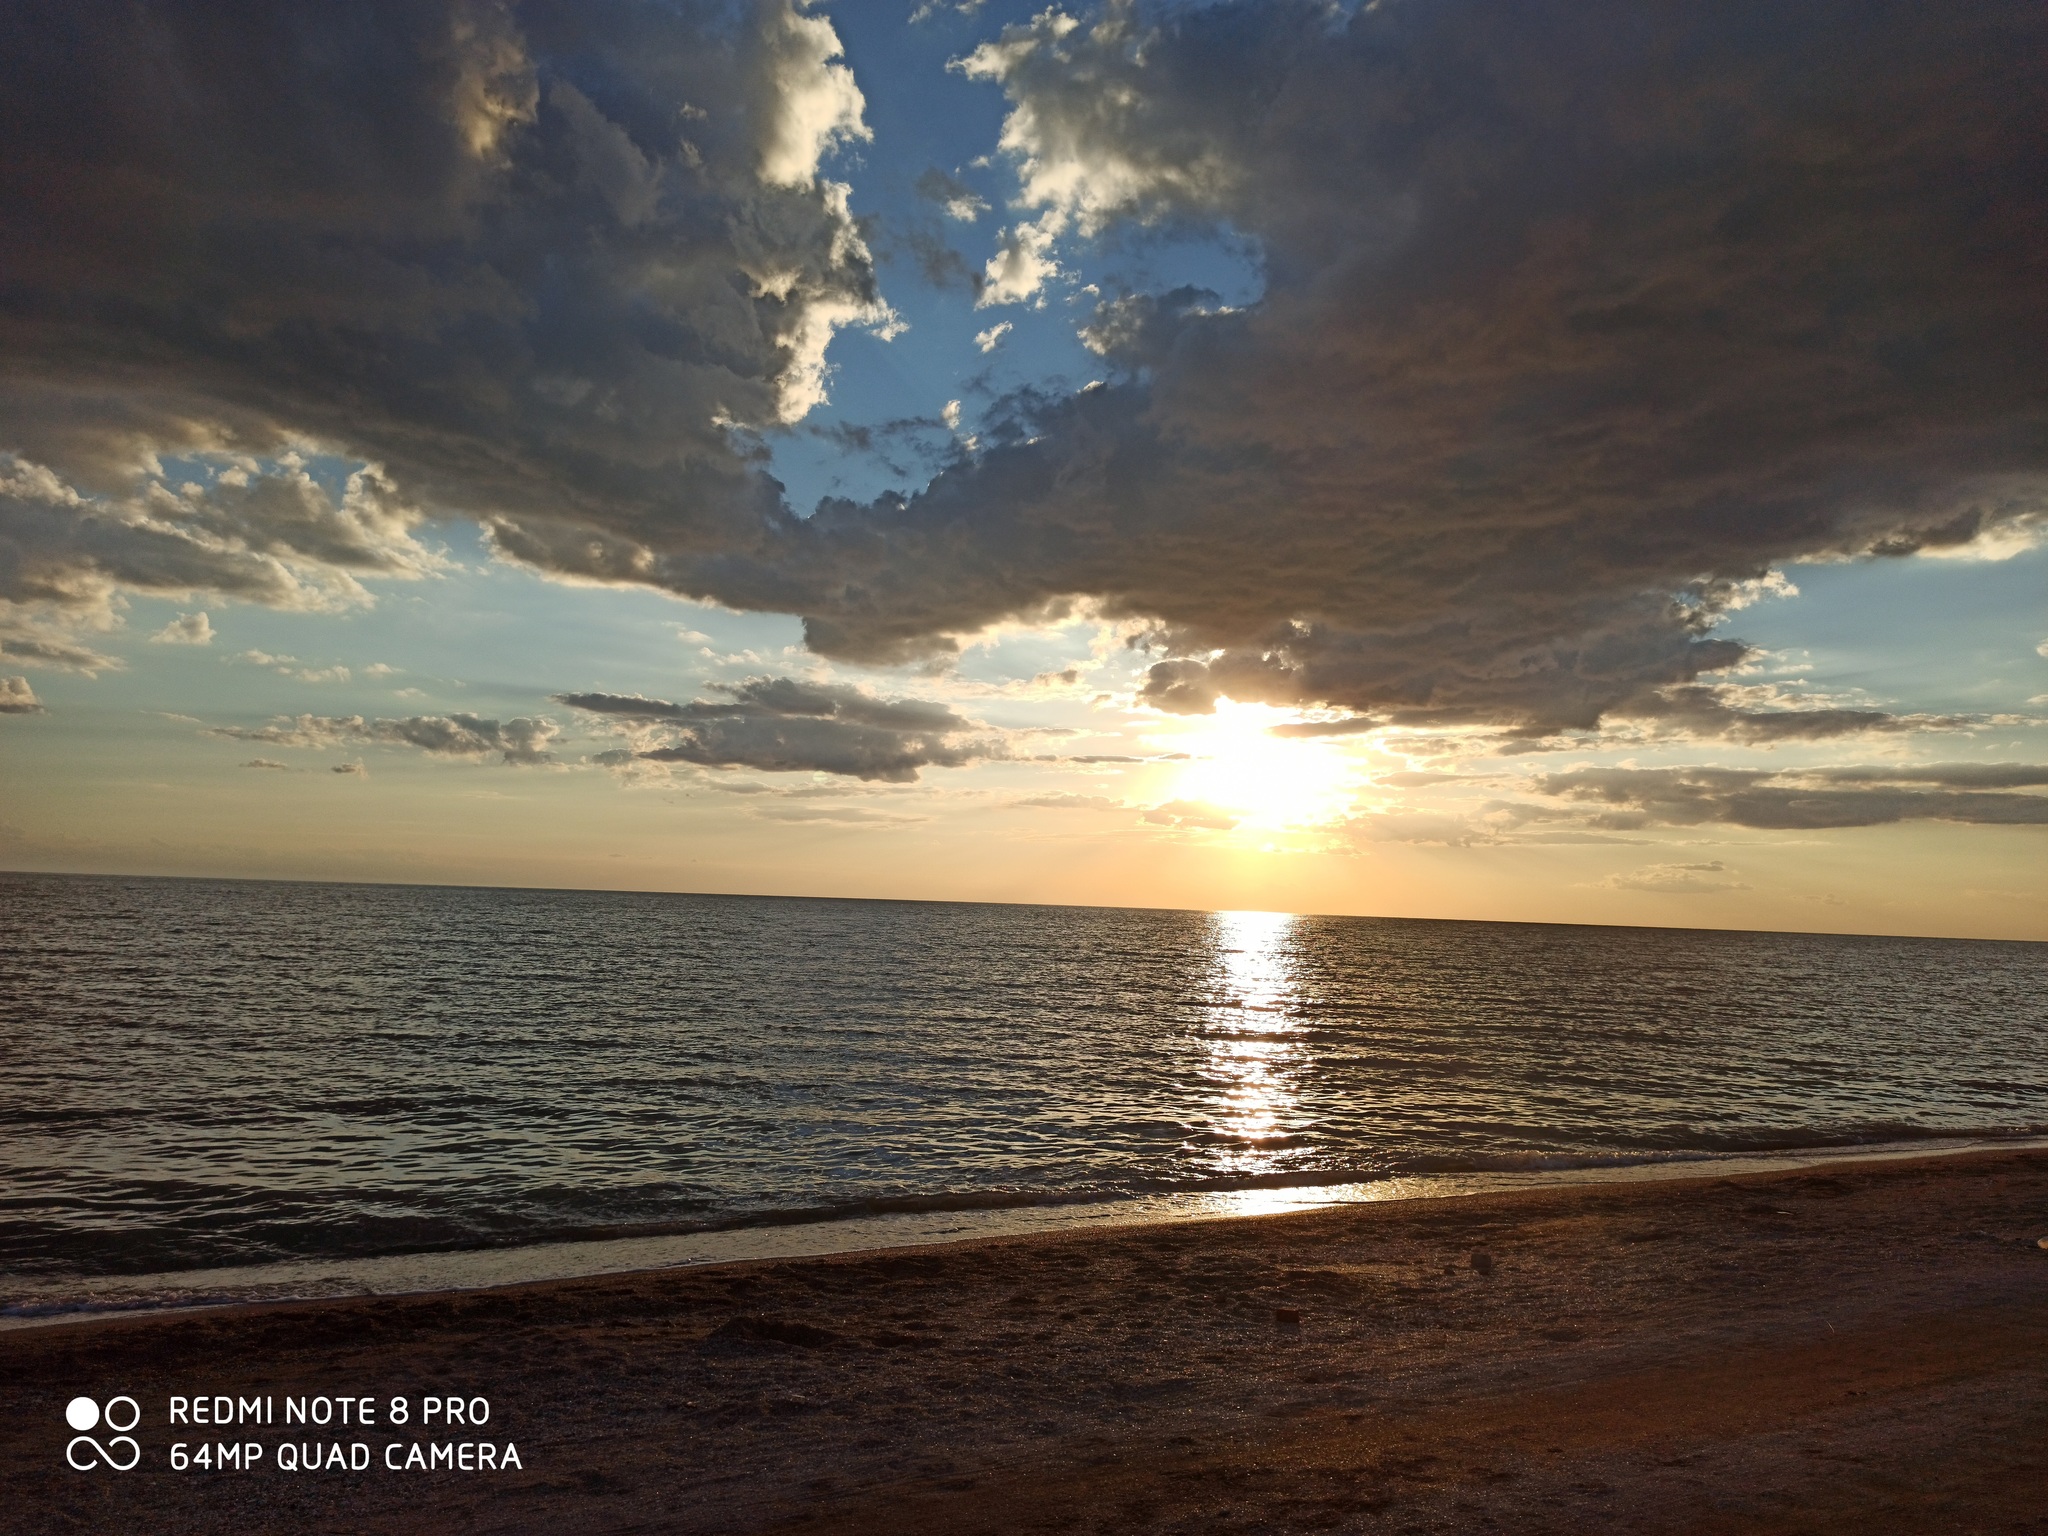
[220, 1090]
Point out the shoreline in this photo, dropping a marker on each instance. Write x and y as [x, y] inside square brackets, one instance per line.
[1859, 1345]
[464, 1271]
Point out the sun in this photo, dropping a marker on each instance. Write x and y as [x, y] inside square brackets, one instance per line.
[1264, 780]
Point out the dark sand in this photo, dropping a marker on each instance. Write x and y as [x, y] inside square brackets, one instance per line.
[1859, 1348]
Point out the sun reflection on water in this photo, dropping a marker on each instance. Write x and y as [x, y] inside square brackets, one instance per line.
[1255, 1054]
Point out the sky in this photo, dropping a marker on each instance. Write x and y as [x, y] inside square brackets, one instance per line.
[1539, 460]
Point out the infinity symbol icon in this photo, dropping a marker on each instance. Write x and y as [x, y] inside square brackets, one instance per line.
[99, 1453]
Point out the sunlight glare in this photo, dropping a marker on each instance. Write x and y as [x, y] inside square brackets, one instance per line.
[1264, 780]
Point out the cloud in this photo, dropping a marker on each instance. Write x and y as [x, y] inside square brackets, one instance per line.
[185, 629]
[1544, 382]
[1094, 136]
[992, 338]
[1065, 801]
[1024, 261]
[1676, 879]
[927, 9]
[899, 444]
[938, 263]
[1191, 813]
[278, 538]
[785, 725]
[17, 698]
[271, 763]
[1349, 725]
[1416, 827]
[1716, 712]
[1804, 800]
[1579, 319]
[1137, 330]
[843, 815]
[812, 104]
[288, 666]
[522, 742]
[40, 639]
[1949, 775]
[544, 263]
[961, 202]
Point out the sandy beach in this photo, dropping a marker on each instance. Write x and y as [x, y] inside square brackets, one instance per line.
[1860, 1346]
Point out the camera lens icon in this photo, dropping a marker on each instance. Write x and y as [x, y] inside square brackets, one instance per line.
[120, 1415]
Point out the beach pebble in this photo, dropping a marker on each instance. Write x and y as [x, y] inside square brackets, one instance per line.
[1482, 1261]
[1287, 1317]
[2041, 1242]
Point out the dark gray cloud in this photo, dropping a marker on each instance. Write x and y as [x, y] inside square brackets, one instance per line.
[523, 742]
[1803, 800]
[925, 242]
[1349, 725]
[1949, 775]
[1718, 712]
[900, 445]
[785, 725]
[937, 260]
[1578, 316]
[960, 201]
[537, 259]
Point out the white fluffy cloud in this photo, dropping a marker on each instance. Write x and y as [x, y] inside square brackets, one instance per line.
[807, 99]
[1024, 261]
[17, 698]
[1093, 137]
[185, 629]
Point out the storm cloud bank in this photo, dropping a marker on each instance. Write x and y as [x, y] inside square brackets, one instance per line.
[544, 263]
[1579, 315]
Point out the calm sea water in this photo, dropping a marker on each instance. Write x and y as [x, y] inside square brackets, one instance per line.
[197, 1074]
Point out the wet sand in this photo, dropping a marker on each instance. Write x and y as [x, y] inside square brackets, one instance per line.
[1861, 1346]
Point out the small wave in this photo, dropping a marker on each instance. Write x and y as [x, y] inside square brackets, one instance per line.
[1786, 1141]
[899, 1221]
